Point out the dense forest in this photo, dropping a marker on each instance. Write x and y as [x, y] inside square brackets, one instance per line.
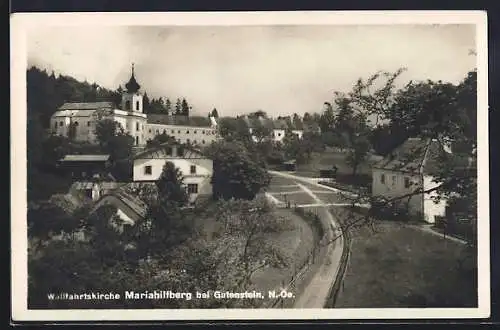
[46, 93]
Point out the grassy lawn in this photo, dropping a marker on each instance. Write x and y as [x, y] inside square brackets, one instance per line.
[283, 188]
[327, 159]
[296, 242]
[299, 198]
[400, 266]
[331, 197]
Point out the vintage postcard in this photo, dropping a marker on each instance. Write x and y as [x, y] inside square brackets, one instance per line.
[249, 165]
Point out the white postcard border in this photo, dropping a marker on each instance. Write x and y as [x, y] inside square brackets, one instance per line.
[21, 23]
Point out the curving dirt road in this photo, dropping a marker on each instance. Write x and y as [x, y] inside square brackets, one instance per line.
[315, 294]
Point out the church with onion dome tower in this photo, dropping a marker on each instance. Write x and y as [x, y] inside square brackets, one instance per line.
[77, 120]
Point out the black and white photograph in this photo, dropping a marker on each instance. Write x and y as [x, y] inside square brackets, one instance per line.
[303, 165]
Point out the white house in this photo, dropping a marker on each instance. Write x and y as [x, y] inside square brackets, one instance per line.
[407, 169]
[195, 168]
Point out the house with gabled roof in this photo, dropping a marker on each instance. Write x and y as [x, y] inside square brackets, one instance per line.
[195, 167]
[129, 208]
[409, 168]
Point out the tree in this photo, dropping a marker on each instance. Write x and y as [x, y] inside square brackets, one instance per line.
[443, 112]
[170, 185]
[184, 107]
[105, 130]
[253, 221]
[307, 117]
[146, 103]
[46, 219]
[327, 119]
[120, 146]
[231, 129]
[291, 146]
[165, 225]
[236, 172]
[159, 140]
[262, 133]
[359, 149]
[178, 107]
[214, 113]
[168, 106]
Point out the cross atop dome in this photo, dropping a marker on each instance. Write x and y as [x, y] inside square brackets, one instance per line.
[132, 86]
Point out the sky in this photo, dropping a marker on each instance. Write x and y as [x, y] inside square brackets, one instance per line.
[278, 69]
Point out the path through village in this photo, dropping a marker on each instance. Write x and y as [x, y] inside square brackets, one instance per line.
[315, 294]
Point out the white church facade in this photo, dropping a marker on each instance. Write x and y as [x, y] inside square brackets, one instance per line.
[78, 120]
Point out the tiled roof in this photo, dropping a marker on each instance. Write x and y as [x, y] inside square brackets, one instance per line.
[195, 121]
[86, 105]
[85, 158]
[408, 157]
[133, 207]
[416, 155]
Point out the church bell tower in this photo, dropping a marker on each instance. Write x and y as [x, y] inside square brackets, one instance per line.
[131, 98]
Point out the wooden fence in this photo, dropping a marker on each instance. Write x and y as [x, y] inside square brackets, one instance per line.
[338, 284]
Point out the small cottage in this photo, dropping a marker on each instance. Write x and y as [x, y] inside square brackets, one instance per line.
[410, 168]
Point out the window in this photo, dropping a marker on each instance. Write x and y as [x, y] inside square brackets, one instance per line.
[76, 123]
[180, 152]
[127, 105]
[157, 132]
[187, 141]
[193, 169]
[136, 126]
[382, 178]
[164, 131]
[279, 134]
[194, 141]
[178, 132]
[137, 105]
[192, 188]
[407, 183]
[150, 131]
[136, 140]
[88, 123]
[187, 132]
[393, 180]
[202, 141]
[203, 132]
[55, 126]
[60, 123]
[169, 151]
[148, 170]
[194, 131]
[173, 132]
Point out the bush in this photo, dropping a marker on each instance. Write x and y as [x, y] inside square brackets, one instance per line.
[383, 209]
[362, 180]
